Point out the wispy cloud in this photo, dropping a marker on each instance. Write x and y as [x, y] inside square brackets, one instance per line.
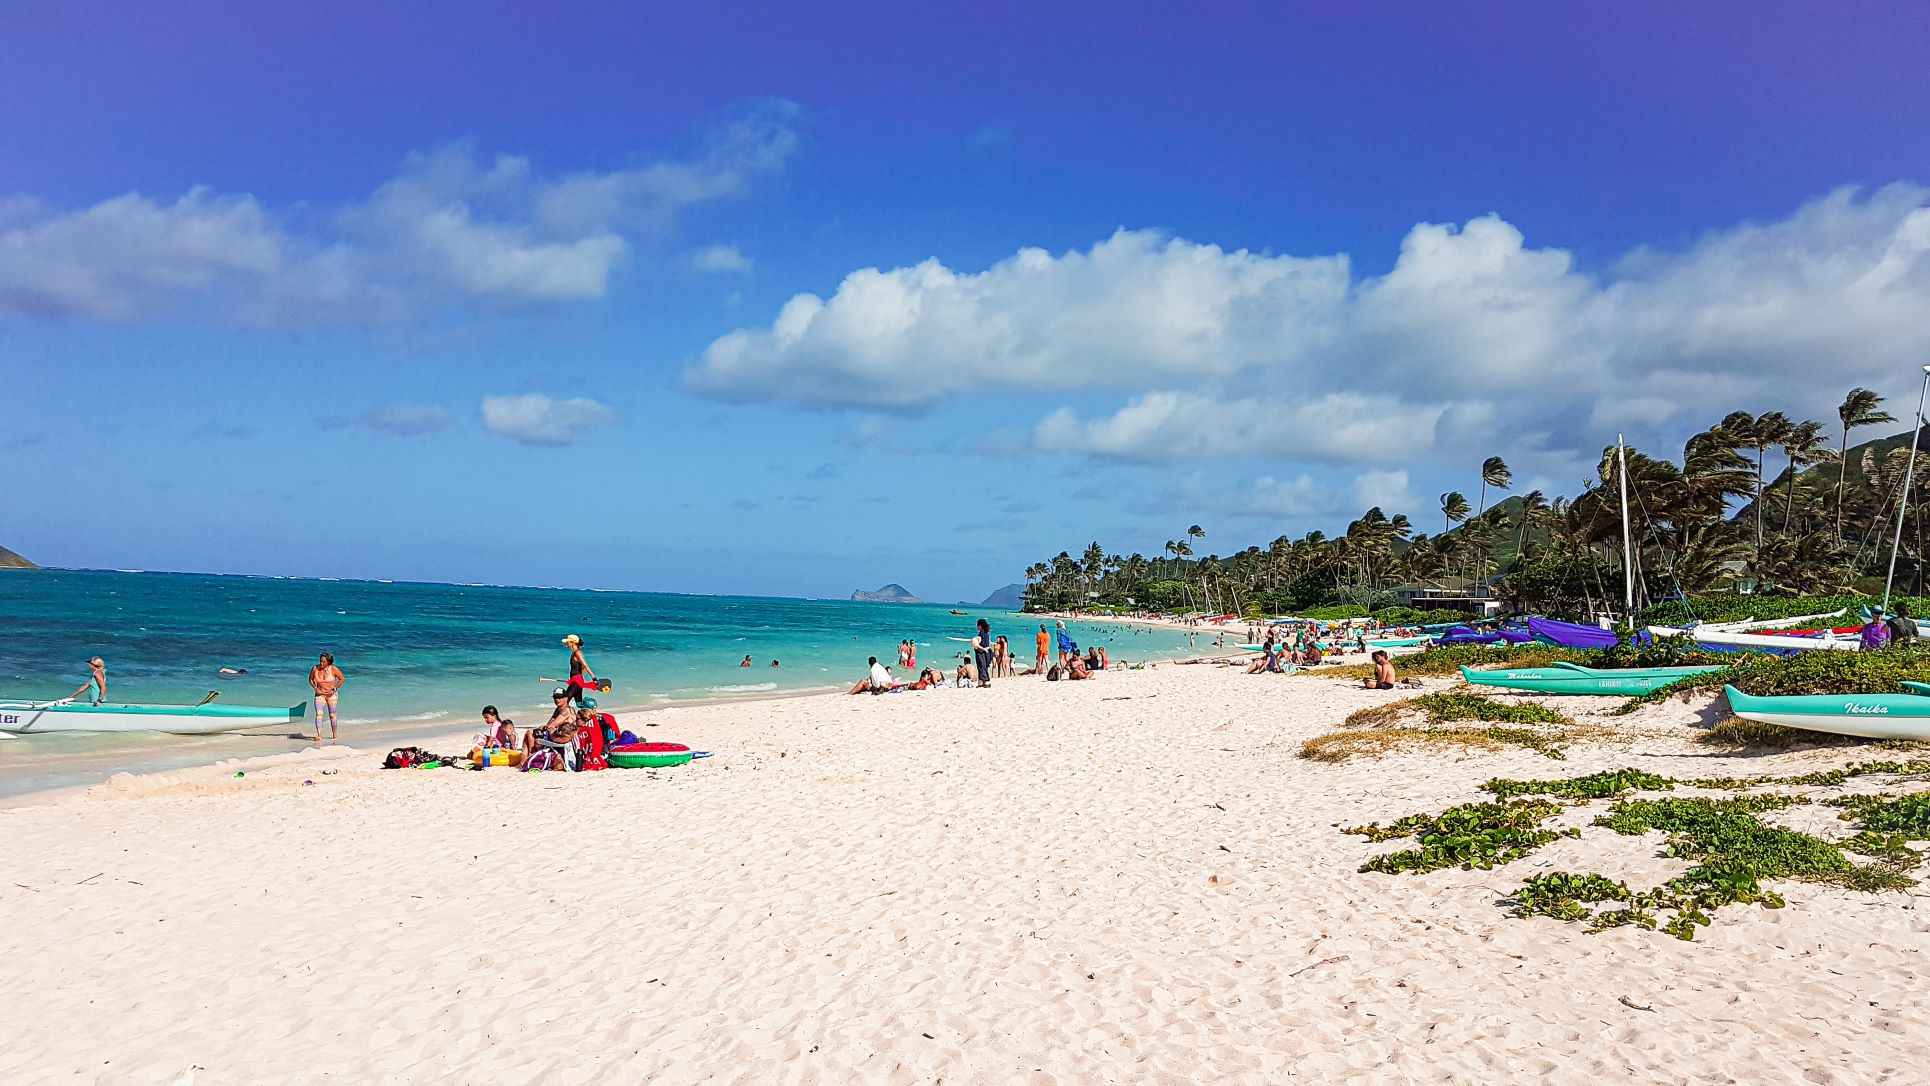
[407, 420]
[720, 258]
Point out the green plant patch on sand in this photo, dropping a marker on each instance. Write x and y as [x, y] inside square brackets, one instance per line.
[1734, 850]
[1447, 706]
[1613, 782]
[1473, 835]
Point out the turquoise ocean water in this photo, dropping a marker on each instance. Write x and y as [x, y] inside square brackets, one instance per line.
[427, 657]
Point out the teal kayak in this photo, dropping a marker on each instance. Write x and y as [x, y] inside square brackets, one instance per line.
[1869, 716]
[1398, 642]
[1580, 680]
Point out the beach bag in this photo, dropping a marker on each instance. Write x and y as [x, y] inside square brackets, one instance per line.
[407, 757]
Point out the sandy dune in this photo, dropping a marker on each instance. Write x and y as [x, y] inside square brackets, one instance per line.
[1129, 880]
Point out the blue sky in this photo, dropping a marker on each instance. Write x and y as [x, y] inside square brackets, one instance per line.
[800, 300]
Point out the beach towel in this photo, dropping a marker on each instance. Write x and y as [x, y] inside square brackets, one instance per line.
[589, 748]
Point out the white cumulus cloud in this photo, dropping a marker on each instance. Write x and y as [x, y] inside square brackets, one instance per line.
[449, 225]
[1137, 307]
[535, 419]
[1230, 352]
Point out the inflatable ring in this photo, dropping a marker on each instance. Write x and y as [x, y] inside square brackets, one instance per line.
[649, 755]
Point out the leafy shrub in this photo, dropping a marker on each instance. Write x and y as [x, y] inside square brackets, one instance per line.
[1734, 608]
[1411, 616]
[1661, 652]
[1335, 612]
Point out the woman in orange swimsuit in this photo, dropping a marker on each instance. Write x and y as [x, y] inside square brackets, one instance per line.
[325, 679]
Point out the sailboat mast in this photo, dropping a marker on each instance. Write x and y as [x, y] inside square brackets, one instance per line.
[1903, 503]
[1628, 566]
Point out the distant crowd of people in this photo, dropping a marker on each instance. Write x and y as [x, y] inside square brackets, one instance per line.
[989, 657]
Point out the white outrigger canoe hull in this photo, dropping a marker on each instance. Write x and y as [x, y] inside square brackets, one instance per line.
[1768, 642]
[35, 717]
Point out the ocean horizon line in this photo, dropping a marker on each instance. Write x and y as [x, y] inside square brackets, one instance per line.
[42, 568]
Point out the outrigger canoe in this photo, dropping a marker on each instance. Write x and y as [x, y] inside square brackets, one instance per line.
[1575, 679]
[1868, 716]
[207, 718]
[1782, 645]
[1397, 642]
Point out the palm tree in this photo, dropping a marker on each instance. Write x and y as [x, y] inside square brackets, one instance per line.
[1803, 445]
[1771, 428]
[1859, 408]
[1533, 506]
[1454, 510]
[1494, 473]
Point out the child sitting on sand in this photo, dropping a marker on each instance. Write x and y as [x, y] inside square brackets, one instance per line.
[1383, 677]
[496, 732]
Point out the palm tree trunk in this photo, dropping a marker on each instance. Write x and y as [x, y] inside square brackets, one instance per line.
[1789, 494]
[1759, 454]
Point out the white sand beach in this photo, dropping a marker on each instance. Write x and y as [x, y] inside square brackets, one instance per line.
[1129, 880]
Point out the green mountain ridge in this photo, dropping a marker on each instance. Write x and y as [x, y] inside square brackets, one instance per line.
[1823, 476]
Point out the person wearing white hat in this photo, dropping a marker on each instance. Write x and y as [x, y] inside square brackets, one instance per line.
[580, 673]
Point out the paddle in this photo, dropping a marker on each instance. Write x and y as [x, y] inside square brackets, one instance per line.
[602, 685]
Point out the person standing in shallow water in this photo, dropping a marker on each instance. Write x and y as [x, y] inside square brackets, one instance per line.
[326, 680]
[982, 653]
[96, 681]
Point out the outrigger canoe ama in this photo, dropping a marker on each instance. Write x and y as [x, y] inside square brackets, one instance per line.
[33, 717]
[1573, 679]
[1868, 716]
